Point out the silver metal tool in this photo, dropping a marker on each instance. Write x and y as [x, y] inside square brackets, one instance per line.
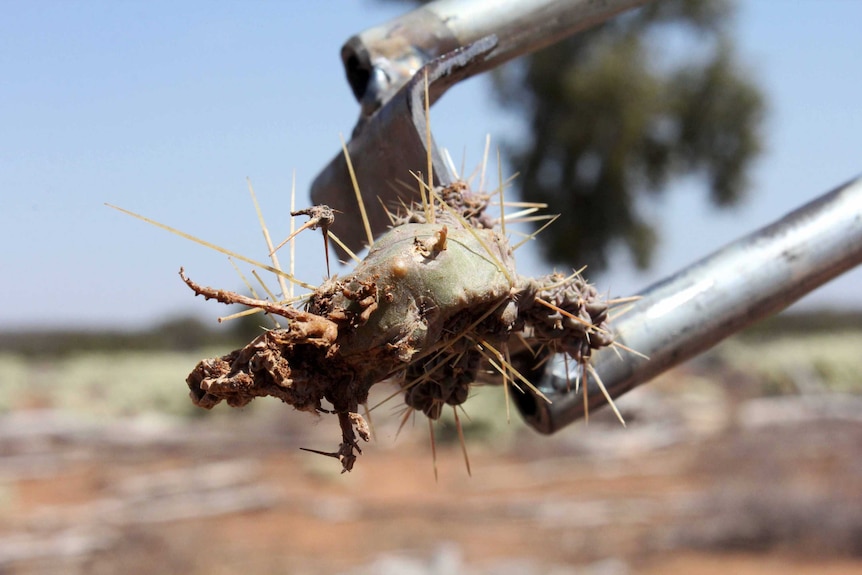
[677, 318]
[689, 312]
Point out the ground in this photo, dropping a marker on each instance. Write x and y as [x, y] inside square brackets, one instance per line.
[704, 480]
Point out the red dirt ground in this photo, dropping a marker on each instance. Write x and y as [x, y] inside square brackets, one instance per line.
[229, 495]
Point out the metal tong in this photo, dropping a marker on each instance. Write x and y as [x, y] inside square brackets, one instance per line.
[675, 319]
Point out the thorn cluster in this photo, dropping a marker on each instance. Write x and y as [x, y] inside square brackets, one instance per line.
[433, 301]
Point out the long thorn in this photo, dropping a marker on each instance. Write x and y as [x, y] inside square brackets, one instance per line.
[359, 200]
[341, 244]
[251, 290]
[326, 251]
[239, 314]
[522, 213]
[606, 394]
[292, 229]
[242, 277]
[505, 380]
[410, 411]
[293, 234]
[461, 438]
[499, 368]
[429, 214]
[370, 423]
[617, 344]
[281, 283]
[264, 286]
[212, 246]
[502, 197]
[484, 162]
[512, 369]
[507, 398]
[618, 300]
[584, 390]
[536, 233]
[433, 448]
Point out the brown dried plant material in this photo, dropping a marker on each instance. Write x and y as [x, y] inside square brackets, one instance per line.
[436, 296]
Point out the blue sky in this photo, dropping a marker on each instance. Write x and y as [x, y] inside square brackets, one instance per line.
[165, 108]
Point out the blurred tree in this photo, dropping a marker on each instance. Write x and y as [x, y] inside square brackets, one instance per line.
[613, 117]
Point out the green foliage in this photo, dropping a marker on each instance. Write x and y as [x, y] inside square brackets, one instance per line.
[99, 383]
[611, 119]
[794, 323]
[178, 334]
[820, 361]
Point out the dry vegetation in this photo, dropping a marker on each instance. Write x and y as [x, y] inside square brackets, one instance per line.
[718, 469]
